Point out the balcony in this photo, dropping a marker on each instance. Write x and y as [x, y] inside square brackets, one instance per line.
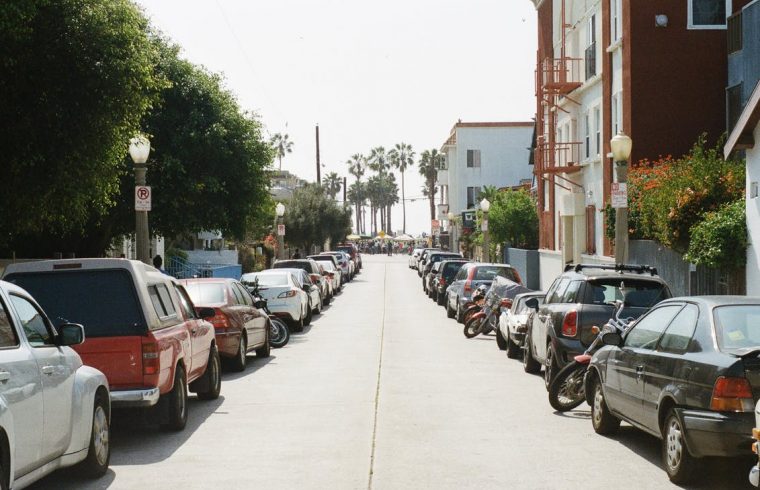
[590, 60]
[560, 157]
[559, 76]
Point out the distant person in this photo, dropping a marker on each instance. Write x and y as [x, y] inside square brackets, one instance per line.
[158, 263]
[297, 254]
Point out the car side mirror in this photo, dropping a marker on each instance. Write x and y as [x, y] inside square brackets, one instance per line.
[205, 313]
[612, 338]
[532, 303]
[70, 334]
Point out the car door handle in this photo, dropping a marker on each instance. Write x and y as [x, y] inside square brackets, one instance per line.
[4, 376]
[47, 370]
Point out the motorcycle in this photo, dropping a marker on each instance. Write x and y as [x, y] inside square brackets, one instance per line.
[500, 295]
[566, 390]
[279, 333]
[476, 302]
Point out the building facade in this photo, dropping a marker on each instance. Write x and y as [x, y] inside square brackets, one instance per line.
[653, 70]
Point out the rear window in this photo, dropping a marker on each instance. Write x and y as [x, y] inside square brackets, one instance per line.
[104, 301]
[488, 272]
[634, 293]
[451, 268]
[206, 293]
[348, 250]
[267, 279]
[293, 264]
[737, 326]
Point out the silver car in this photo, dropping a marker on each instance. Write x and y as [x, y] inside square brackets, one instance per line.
[54, 411]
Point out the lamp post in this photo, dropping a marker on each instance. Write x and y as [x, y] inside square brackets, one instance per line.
[452, 232]
[139, 149]
[280, 210]
[621, 146]
[485, 205]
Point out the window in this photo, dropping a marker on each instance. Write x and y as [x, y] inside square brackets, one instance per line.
[558, 292]
[645, 333]
[247, 300]
[8, 336]
[473, 194]
[185, 305]
[598, 131]
[32, 322]
[571, 293]
[207, 293]
[162, 303]
[238, 297]
[617, 113]
[635, 293]
[587, 135]
[678, 335]
[615, 26]
[590, 54]
[737, 326]
[708, 14]
[473, 158]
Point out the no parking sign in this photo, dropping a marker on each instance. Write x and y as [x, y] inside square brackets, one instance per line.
[142, 198]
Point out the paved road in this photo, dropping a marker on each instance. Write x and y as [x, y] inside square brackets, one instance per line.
[384, 392]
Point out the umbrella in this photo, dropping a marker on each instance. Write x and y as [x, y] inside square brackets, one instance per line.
[353, 237]
[404, 238]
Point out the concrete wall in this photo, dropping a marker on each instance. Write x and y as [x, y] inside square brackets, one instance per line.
[753, 219]
[551, 266]
[527, 263]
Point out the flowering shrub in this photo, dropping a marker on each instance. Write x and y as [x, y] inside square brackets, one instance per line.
[720, 240]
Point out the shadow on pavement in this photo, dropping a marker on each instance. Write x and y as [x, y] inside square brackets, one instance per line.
[253, 364]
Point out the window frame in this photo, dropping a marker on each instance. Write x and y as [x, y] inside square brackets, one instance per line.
[690, 25]
[660, 347]
[48, 326]
[12, 325]
[656, 343]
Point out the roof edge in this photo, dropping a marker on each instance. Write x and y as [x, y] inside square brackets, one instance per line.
[741, 137]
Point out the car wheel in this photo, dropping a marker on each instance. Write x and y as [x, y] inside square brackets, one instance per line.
[679, 463]
[513, 350]
[460, 313]
[307, 320]
[240, 360]
[450, 312]
[550, 366]
[297, 325]
[99, 452]
[3, 475]
[440, 298]
[265, 350]
[177, 400]
[327, 300]
[530, 365]
[213, 376]
[501, 342]
[601, 418]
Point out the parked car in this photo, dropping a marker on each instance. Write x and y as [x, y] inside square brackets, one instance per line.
[54, 411]
[285, 295]
[240, 327]
[446, 271]
[423, 258]
[345, 263]
[311, 287]
[513, 323]
[579, 299]
[332, 273]
[469, 277]
[352, 251]
[414, 257]
[434, 258]
[688, 373]
[315, 273]
[323, 259]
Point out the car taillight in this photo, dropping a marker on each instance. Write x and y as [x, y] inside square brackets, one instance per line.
[314, 278]
[732, 395]
[441, 281]
[331, 275]
[287, 294]
[467, 287]
[219, 320]
[570, 324]
[150, 360]
[506, 302]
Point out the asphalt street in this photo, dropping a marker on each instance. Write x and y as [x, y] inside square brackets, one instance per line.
[383, 391]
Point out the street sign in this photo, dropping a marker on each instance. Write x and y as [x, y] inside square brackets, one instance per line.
[381, 234]
[142, 198]
[435, 225]
[619, 195]
[468, 219]
[280, 230]
[484, 225]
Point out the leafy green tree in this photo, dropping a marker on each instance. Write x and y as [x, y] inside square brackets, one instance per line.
[332, 184]
[77, 78]
[402, 157]
[357, 193]
[513, 219]
[357, 165]
[312, 217]
[430, 162]
[720, 240]
[282, 146]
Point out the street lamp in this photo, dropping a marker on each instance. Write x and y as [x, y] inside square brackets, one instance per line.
[452, 232]
[280, 210]
[621, 146]
[485, 205]
[139, 149]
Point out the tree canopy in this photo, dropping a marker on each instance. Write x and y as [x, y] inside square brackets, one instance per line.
[312, 217]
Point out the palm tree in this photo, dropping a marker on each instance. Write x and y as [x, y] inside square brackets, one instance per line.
[402, 157]
[282, 146]
[357, 193]
[357, 165]
[332, 184]
[430, 162]
[375, 197]
[378, 160]
[488, 192]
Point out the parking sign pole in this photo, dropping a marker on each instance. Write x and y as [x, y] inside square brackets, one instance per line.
[142, 237]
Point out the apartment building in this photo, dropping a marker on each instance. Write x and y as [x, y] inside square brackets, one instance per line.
[653, 70]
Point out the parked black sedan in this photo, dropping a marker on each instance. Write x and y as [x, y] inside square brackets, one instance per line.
[687, 372]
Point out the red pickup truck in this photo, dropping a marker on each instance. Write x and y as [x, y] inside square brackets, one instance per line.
[141, 330]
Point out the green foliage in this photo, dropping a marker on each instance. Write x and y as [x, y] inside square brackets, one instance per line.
[513, 219]
[720, 240]
[430, 162]
[668, 197]
[77, 77]
[609, 222]
[311, 217]
[332, 183]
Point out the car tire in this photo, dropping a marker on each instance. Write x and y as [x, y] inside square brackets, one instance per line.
[460, 313]
[513, 350]
[177, 400]
[327, 300]
[240, 360]
[530, 365]
[601, 419]
[450, 312]
[297, 325]
[99, 451]
[318, 309]
[501, 342]
[440, 299]
[3, 475]
[679, 464]
[309, 315]
[550, 366]
[213, 376]
[265, 350]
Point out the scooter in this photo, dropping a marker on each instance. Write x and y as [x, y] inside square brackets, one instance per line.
[279, 333]
[566, 390]
[475, 304]
[484, 321]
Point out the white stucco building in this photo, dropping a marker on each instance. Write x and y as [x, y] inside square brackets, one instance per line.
[483, 154]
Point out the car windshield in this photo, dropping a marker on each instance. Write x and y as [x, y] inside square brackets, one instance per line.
[206, 293]
[104, 301]
[266, 280]
[737, 326]
[635, 293]
[488, 272]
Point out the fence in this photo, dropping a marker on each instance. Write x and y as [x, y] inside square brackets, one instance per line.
[182, 269]
[527, 263]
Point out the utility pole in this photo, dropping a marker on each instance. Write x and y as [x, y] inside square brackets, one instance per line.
[344, 191]
[319, 173]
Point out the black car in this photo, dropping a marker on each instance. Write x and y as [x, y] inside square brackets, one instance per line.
[423, 258]
[447, 269]
[688, 372]
[431, 259]
[579, 299]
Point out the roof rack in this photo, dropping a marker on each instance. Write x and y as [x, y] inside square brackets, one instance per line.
[641, 269]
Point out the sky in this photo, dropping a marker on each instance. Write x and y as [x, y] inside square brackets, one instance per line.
[368, 73]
